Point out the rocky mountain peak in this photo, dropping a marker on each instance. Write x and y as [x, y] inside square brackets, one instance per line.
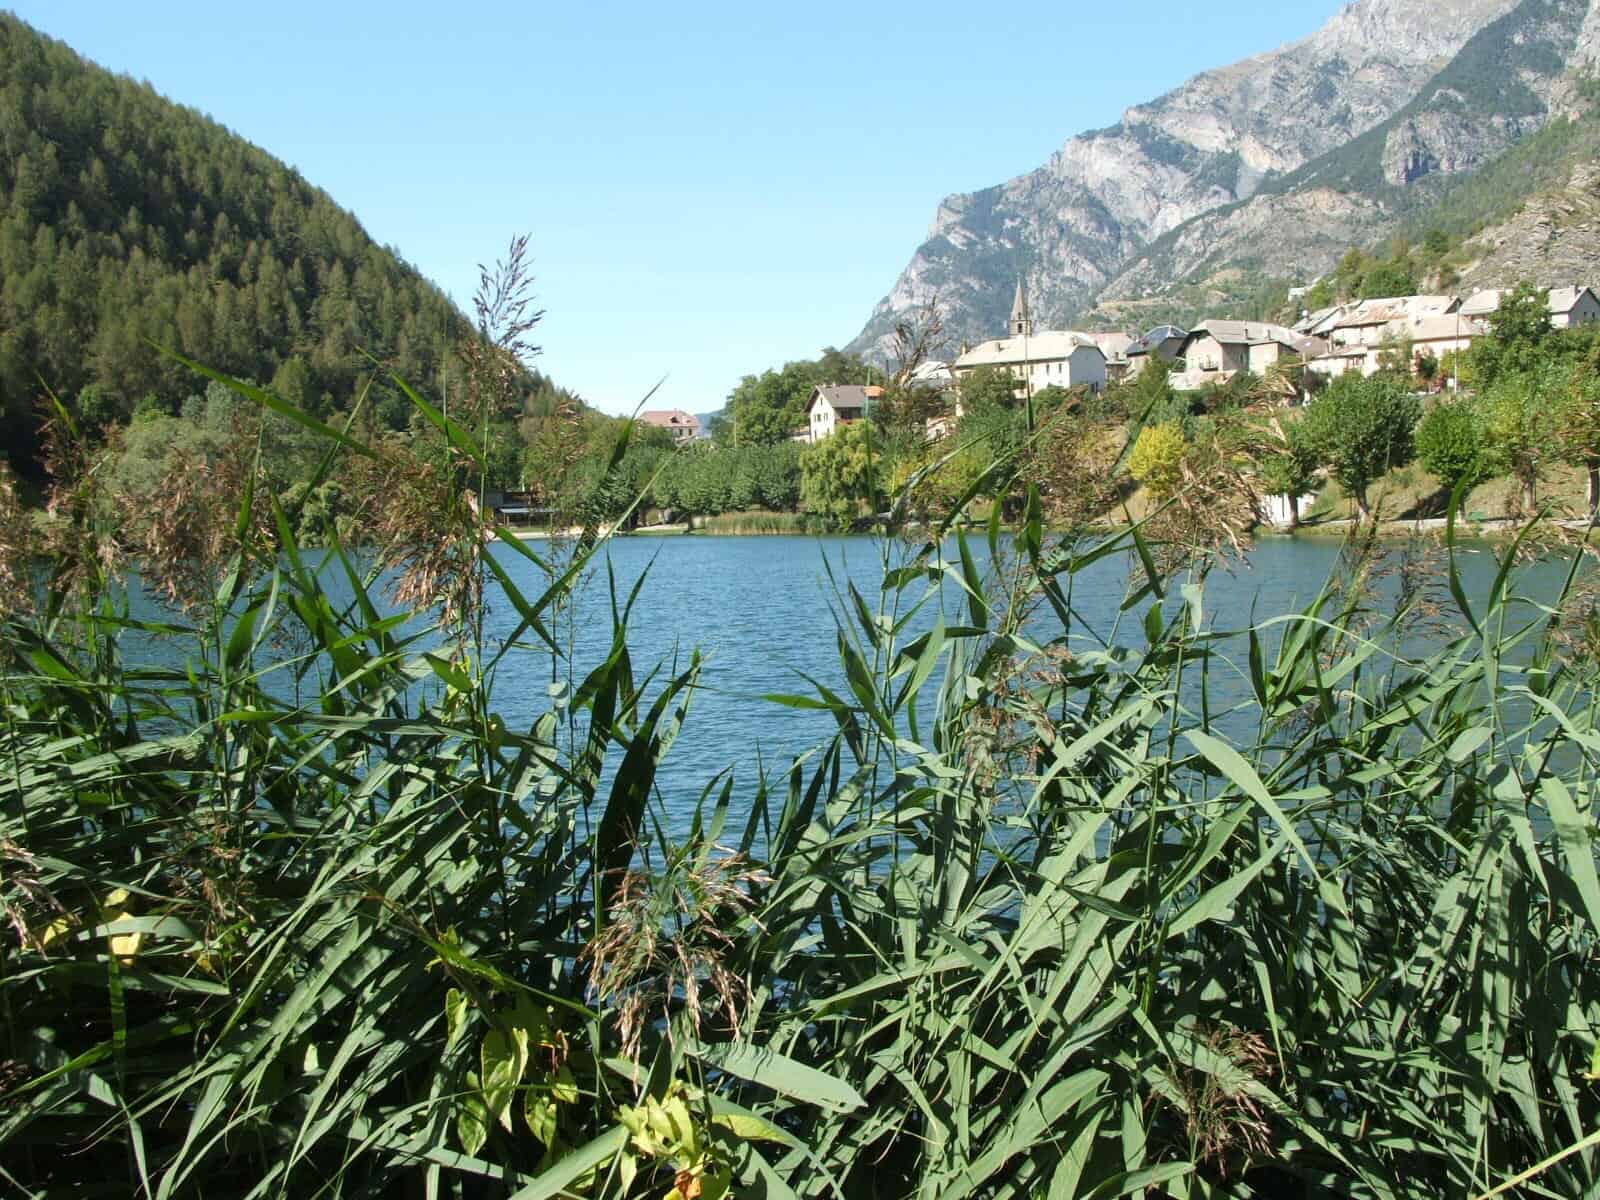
[1081, 220]
[1421, 31]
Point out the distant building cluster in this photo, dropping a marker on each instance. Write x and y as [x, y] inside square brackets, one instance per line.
[1358, 336]
[1361, 333]
[1347, 337]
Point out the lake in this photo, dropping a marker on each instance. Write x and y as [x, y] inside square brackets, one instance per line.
[763, 612]
[763, 609]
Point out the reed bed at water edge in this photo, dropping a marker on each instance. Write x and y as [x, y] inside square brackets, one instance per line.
[307, 917]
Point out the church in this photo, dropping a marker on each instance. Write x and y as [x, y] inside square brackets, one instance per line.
[1038, 359]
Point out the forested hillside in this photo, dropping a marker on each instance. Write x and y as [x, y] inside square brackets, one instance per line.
[126, 219]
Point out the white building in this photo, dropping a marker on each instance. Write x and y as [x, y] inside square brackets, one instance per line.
[833, 406]
[1038, 359]
[1569, 307]
[1115, 347]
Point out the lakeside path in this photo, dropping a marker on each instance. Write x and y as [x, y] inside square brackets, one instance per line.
[1497, 527]
[1336, 527]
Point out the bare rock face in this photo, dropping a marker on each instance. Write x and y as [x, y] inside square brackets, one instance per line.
[1448, 142]
[1555, 238]
[1310, 225]
[1076, 225]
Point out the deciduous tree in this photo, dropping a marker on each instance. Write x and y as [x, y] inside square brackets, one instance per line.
[1361, 428]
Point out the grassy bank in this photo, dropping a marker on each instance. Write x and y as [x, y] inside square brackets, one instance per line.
[741, 524]
[308, 916]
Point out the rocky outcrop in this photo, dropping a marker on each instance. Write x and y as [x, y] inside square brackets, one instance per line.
[1555, 238]
[1446, 141]
[1276, 163]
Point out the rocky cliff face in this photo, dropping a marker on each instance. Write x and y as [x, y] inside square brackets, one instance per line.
[1554, 239]
[1276, 163]
[1503, 84]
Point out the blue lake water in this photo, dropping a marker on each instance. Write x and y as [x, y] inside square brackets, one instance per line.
[763, 612]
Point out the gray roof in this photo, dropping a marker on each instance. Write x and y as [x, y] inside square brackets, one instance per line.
[1114, 345]
[1562, 300]
[1248, 333]
[1047, 346]
[1396, 308]
[1158, 335]
[1310, 322]
[1439, 329]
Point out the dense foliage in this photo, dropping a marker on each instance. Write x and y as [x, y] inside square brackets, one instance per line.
[1453, 444]
[770, 407]
[127, 219]
[1362, 428]
[302, 914]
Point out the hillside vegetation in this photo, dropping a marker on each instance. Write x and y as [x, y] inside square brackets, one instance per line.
[127, 219]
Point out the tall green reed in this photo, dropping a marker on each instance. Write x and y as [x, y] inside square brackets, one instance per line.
[321, 922]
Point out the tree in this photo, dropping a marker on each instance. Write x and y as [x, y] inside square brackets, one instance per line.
[838, 475]
[1157, 459]
[1319, 296]
[765, 409]
[1288, 465]
[1361, 428]
[1519, 334]
[1150, 398]
[919, 336]
[1393, 278]
[1451, 444]
[1396, 355]
[1521, 425]
[1577, 422]
[988, 388]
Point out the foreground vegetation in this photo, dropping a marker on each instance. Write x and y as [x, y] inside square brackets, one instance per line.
[304, 916]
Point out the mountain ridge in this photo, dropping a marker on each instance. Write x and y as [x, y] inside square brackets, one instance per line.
[1083, 226]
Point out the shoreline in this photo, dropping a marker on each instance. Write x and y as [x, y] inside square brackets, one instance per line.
[1488, 530]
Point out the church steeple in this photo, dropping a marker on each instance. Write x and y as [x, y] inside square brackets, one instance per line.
[1021, 318]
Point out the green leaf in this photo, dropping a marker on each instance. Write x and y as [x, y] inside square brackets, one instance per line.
[782, 1074]
[472, 1117]
[751, 1128]
[455, 1016]
[505, 1058]
[564, 1087]
[574, 1166]
[1233, 765]
[1576, 834]
[715, 1182]
[1219, 899]
[1466, 745]
[541, 1113]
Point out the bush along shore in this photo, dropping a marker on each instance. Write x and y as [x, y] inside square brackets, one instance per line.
[307, 917]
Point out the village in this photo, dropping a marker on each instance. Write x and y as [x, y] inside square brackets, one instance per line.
[1425, 335]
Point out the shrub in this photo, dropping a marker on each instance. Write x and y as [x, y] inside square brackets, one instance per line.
[1157, 459]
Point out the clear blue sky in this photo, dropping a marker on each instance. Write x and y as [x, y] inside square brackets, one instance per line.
[712, 188]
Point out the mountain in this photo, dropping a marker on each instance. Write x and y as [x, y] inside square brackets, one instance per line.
[126, 217]
[1270, 168]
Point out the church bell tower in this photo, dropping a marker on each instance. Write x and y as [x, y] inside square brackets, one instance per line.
[1021, 319]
